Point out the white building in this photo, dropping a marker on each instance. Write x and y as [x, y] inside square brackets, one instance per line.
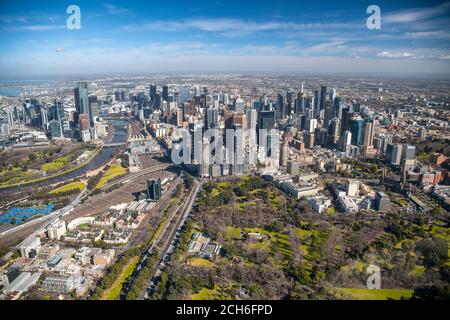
[57, 230]
[22, 283]
[319, 203]
[29, 247]
[348, 204]
[298, 191]
[61, 284]
[352, 188]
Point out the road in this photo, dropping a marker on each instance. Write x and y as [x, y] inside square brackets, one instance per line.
[170, 243]
[12, 202]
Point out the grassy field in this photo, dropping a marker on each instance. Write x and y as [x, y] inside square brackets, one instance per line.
[113, 293]
[367, 294]
[56, 164]
[209, 294]
[233, 233]
[115, 170]
[200, 262]
[69, 187]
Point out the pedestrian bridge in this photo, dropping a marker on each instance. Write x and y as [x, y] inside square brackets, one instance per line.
[113, 145]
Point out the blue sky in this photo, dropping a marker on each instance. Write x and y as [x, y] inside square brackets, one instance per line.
[223, 36]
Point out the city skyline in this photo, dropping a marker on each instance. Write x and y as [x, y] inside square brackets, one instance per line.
[246, 37]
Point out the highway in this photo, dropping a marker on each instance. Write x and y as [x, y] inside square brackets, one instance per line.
[170, 243]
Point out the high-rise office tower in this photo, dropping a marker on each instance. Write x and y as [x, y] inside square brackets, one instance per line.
[368, 133]
[345, 141]
[83, 122]
[153, 189]
[252, 118]
[179, 117]
[266, 120]
[323, 97]
[320, 136]
[317, 103]
[345, 121]
[54, 127]
[300, 103]
[334, 130]
[309, 140]
[240, 119]
[338, 108]
[394, 153]
[357, 129]
[10, 117]
[289, 102]
[93, 109]
[329, 113]
[152, 92]
[284, 154]
[239, 105]
[212, 118]
[165, 93]
[281, 107]
[82, 98]
[311, 125]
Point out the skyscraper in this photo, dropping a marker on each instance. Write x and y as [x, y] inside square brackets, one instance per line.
[165, 93]
[334, 130]
[152, 93]
[345, 141]
[368, 133]
[266, 120]
[93, 109]
[357, 129]
[289, 102]
[316, 103]
[212, 118]
[153, 189]
[394, 153]
[82, 98]
[338, 108]
[281, 108]
[323, 97]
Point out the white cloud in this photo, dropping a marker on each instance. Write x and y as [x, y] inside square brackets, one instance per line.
[113, 9]
[436, 34]
[59, 49]
[389, 54]
[416, 14]
[231, 26]
[47, 27]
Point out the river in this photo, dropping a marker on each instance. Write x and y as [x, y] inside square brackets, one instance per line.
[120, 135]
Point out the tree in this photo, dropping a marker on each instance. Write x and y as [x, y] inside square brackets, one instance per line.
[434, 250]
[434, 292]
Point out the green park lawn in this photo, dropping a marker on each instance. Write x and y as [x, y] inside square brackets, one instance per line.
[56, 164]
[367, 294]
[113, 293]
[115, 170]
[69, 187]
